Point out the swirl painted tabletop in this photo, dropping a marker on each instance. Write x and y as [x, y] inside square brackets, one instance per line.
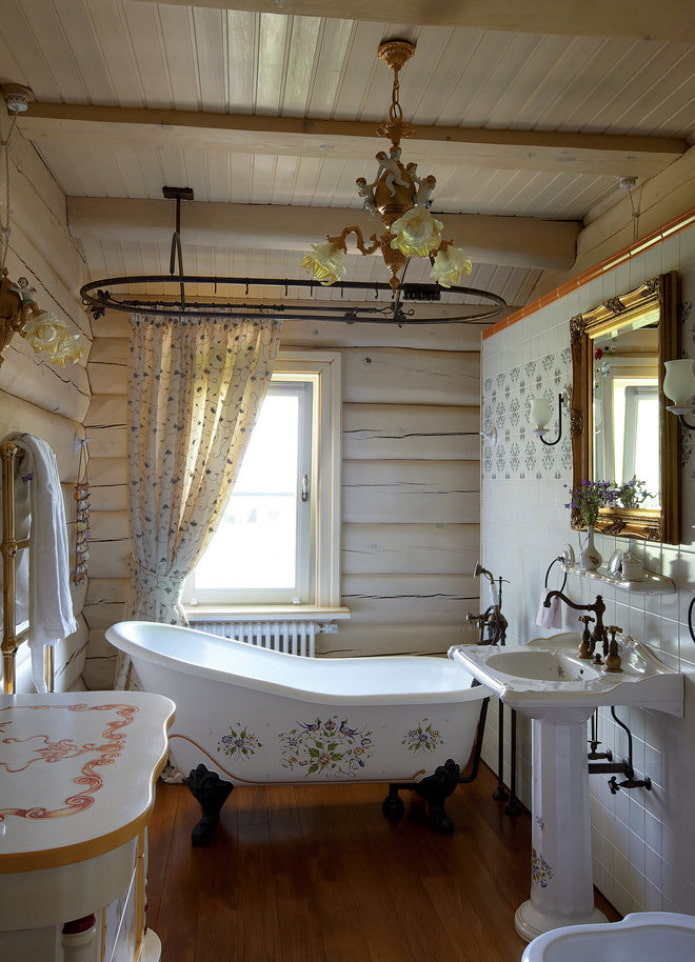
[77, 773]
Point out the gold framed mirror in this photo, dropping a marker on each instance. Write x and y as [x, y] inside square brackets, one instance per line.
[619, 425]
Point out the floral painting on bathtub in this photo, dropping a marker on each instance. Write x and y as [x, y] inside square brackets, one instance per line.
[329, 747]
[423, 738]
[239, 743]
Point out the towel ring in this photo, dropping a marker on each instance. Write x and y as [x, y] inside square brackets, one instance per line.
[690, 619]
[564, 580]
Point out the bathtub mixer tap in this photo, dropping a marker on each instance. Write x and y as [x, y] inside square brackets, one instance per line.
[492, 630]
[492, 618]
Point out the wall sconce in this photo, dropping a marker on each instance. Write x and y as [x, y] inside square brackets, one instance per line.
[541, 412]
[20, 314]
[679, 386]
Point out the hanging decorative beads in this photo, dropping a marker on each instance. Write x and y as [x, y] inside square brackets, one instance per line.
[81, 496]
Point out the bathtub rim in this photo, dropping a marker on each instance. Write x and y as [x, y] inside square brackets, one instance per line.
[115, 636]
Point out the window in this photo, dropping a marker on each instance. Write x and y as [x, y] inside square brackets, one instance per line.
[277, 542]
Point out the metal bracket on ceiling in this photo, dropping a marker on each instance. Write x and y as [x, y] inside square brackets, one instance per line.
[176, 254]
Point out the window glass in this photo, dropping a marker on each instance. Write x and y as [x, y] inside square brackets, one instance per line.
[278, 542]
[259, 551]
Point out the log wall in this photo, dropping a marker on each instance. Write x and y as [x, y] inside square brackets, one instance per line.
[37, 397]
[410, 484]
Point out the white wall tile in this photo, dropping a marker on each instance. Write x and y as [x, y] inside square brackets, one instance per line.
[642, 839]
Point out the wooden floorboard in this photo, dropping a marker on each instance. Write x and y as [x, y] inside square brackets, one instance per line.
[317, 874]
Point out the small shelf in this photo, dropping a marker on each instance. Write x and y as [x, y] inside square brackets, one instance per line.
[652, 583]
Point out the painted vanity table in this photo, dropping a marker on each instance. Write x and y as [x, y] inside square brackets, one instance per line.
[77, 774]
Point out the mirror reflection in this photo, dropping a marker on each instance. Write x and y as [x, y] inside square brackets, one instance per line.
[626, 408]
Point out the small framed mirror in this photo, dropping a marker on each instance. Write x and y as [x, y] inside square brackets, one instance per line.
[620, 429]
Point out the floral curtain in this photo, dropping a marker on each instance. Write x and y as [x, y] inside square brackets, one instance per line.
[196, 386]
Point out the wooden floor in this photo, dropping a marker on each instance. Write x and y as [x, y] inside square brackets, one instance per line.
[317, 874]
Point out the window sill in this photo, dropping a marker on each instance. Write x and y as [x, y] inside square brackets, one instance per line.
[264, 613]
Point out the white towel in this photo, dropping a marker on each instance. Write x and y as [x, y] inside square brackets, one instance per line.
[49, 607]
[550, 617]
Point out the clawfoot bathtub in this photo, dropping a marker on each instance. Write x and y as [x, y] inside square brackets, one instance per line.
[247, 715]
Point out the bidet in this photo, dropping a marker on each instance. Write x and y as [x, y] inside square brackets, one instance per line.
[640, 937]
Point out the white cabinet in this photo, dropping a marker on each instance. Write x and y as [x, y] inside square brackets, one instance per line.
[77, 773]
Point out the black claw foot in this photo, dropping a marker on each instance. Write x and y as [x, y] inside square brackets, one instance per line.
[211, 792]
[392, 806]
[434, 789]
[439, 820]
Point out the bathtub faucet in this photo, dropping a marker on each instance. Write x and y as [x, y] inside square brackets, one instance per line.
[599, 634]
[491, 624]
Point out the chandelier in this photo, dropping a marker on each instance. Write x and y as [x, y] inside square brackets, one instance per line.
[398, 195]
[402, 199]
[19, 311]
[46, 333]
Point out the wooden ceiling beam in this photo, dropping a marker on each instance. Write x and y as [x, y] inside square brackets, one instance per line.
[510, 241]
[559, 152]
[635, 19]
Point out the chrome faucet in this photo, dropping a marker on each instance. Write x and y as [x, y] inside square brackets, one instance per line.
[599, 635]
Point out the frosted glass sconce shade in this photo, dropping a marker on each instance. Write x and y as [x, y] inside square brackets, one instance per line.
[679, 386]
[541, 413]
[679, 382]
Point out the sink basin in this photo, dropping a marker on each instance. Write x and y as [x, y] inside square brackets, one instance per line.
[546, 676]
[542, 665]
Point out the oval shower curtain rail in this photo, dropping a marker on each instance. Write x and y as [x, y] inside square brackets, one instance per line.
[97, 298]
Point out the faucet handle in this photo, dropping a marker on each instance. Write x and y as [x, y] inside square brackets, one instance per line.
[613, 661]
[586, 649]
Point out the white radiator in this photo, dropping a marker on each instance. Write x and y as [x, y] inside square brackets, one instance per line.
[293, 637]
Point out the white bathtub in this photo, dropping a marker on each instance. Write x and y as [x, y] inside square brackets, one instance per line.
[251, 715]
[639, 937]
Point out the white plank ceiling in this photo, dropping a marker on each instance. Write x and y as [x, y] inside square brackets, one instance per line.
[242, 105]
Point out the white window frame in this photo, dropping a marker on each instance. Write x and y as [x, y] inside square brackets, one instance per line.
[323, 370]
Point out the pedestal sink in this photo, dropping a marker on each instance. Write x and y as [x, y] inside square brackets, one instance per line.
[548, 682]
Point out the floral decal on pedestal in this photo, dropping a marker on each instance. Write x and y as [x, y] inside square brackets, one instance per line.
[329, 747]
[239, 743]
[541, 872]
[424, 738]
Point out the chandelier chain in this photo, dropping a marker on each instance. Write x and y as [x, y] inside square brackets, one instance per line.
[395, 110]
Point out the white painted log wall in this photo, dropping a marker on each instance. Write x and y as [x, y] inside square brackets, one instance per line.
[411, 484]
[47, 401]
[657, 201]
[410, 525]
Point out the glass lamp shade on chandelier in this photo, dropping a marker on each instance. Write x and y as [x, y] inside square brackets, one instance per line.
[46, 333]
[402, 199]
[19, 311]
